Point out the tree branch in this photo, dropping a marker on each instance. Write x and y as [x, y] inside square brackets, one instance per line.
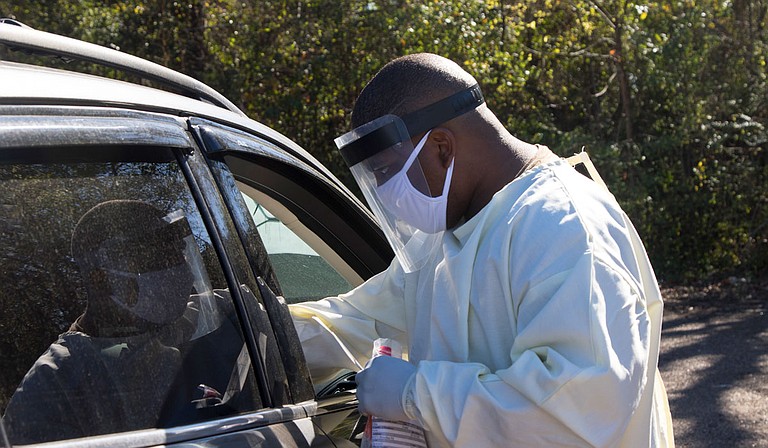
[604, 14]
[607, 84]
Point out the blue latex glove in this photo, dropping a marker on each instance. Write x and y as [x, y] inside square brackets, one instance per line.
[381, 387]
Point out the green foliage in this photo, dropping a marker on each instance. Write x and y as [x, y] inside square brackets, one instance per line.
[669, 97]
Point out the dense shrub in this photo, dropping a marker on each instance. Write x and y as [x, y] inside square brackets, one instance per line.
[670, 98]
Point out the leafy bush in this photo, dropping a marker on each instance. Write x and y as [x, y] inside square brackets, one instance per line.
[668, 97]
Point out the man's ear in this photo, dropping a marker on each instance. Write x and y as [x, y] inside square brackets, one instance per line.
[445, 141]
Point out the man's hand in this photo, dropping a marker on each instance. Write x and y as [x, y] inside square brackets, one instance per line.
[381, 387]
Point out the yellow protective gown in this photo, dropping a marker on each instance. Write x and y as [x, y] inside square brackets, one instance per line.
[535, 323]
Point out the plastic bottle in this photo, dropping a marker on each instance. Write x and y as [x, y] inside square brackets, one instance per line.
[380, 433]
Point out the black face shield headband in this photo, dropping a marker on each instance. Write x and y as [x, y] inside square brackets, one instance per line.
[415, 123]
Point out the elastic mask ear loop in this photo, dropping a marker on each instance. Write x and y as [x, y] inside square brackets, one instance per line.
[415, 153]
[448, 176]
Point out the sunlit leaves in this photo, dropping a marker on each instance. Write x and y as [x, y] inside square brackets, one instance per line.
[652, 88]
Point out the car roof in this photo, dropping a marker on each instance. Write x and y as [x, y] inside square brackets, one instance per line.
[19, 36]
[29, 84]
[25, 84]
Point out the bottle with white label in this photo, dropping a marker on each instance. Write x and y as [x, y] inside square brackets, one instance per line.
[380, 433]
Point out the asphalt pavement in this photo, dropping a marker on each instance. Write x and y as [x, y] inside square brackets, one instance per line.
[714, 362]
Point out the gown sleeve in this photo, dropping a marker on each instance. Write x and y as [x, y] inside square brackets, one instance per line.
[337, 333]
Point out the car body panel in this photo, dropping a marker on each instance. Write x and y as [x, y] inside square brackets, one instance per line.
[25, 131]
[21, 84]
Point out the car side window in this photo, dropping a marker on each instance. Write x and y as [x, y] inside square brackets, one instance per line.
[302, 272]
[314, 249]
[115, 315]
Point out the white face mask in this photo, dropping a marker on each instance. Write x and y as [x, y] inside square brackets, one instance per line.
[162, 295]
[412, 206]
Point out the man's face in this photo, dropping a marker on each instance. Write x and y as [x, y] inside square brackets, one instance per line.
[145, 270]
[385, 165]
[134, 258]
[388, 163]
[146, 256]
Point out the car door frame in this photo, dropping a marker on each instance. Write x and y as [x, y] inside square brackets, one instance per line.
[352, 232]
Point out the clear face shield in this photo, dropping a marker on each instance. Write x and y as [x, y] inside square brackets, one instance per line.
[384, 161]
[202, 309]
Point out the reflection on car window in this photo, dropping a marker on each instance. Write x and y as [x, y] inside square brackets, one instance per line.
[114, 295]
[302, 272]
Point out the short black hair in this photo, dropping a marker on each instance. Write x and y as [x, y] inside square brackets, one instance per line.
[407, 84]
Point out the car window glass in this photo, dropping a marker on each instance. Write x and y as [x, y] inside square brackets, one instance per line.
[258, 324]
[115, 315]
[302, 272]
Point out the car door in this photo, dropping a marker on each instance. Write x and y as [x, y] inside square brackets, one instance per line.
[305, 234]
[211, 376]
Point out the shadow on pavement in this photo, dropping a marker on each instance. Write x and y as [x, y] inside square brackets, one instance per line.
[715, 365]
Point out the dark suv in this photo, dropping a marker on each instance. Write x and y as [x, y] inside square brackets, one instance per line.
[88, 359]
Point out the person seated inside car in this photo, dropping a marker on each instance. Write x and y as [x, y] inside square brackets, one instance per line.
[113, 370]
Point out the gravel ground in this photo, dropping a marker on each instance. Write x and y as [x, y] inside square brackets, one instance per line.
[714, 362]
